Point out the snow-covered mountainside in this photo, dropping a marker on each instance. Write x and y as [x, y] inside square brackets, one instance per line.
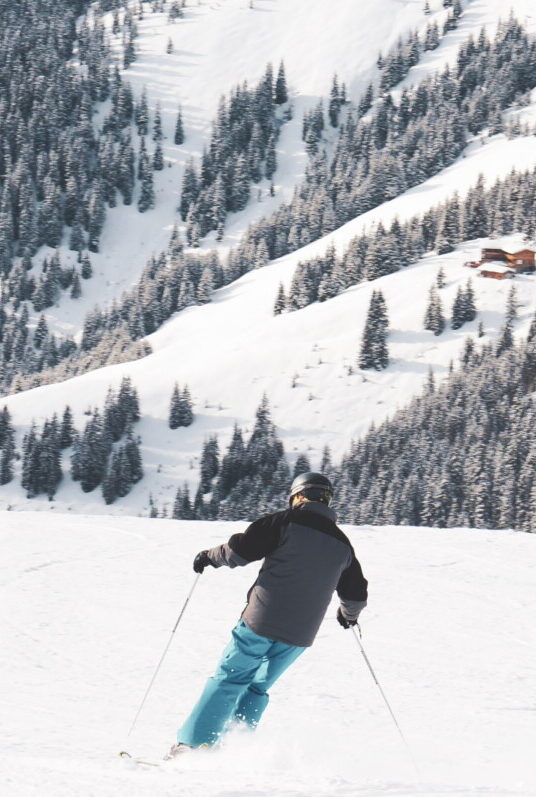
[87, 609]
[222, 43]
[233, 350]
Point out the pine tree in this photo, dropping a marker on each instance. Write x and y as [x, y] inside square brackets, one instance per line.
[41, 332]
[434, 319]
[374, 351]
[281, 93]
[280, 300]
[157, 125]
[469, 307]
[302, 465]
[86, 270]
[76, 288]
[334, 103]
[91, 453]
[511, 306]
[7, 444]
[133, 459]
[180, 411]
[210, 465]
[158, 158]
[271, 158]
[30, 458]
[190, 189]
[182, 508]
[67, 433]
[146, 199]
[142, 115]
[179, 128]
[187, 407]
[457, 313]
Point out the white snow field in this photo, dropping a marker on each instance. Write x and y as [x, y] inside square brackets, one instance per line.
[87, 607]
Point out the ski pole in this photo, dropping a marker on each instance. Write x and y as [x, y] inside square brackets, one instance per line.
[369, 665]
[196, 579]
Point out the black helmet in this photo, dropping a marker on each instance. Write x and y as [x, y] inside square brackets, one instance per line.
[314, 486]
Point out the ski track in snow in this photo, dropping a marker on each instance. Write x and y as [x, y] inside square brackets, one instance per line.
[449, 631]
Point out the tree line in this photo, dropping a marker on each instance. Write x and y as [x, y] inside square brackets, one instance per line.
[461, 454]
[105, 454]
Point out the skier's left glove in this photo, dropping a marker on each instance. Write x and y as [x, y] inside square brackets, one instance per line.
[201, 561]
[343, 621]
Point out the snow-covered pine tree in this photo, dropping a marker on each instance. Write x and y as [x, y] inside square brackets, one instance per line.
[281, 92]
[434, 320]
[280, 300]
[302, 465]
[374, 351]
[209, 465]
[457, 313]
[157, 124]
[335, 103]
[7, 446]
[147, 198]
[179, 128]
[158, 157]
[67, 433]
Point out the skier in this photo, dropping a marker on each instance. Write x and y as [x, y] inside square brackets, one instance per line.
[306, 558]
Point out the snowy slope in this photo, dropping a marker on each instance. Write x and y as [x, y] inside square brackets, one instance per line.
[87, 608]
[233, 350]
[217, 45]
[221, 43]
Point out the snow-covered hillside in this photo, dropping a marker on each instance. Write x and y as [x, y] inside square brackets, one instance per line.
[216, 46]
[221, 43]
[233, 350]
[87, 608]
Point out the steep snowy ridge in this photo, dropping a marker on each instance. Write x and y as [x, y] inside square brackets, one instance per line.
[449, 630]
[233, 350]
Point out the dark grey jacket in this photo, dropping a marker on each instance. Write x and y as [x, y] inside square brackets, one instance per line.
[306, 558]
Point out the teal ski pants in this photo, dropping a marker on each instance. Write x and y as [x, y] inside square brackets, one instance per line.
[238, 690]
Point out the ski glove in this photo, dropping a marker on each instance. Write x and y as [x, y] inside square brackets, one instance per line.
[201, 561]
[343, 621]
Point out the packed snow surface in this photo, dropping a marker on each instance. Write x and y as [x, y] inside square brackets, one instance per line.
[87, 607]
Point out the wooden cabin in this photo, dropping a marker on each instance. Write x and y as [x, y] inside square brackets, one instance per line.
[521, 262]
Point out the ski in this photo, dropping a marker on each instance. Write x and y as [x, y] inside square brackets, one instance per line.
[123, 754]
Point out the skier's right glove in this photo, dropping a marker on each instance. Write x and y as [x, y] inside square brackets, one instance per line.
[343, 621]
[201, 561]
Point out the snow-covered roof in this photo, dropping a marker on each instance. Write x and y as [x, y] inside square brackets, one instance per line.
[493, 265]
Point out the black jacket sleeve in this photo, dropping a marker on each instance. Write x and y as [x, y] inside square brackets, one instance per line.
[259, 539]
[352, 590]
